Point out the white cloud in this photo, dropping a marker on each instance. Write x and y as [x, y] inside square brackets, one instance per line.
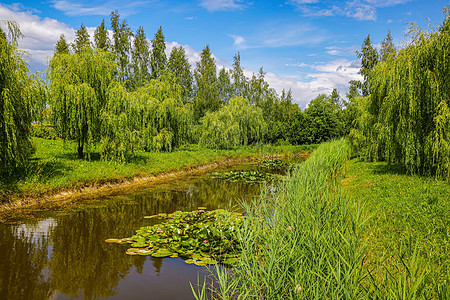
[217, 5]
[324, 79]
[362, 10]
[86, 8]
[41, 35]
[238, 40]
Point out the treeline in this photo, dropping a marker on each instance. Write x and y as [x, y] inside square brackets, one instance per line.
[120, 93]
[402, 106]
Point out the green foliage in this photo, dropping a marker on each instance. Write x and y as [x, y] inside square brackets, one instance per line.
[81, 40]
[179, 66]
[61, 45]
[322, 121]
[407, 116]
[158, 57]
[121, 45]
[43, 131]
[152, 118]
[206, 89]
[16, 102]
[140, 58]
[101, 37]
[202, 237]
[238, 123]
[78, 86]
[369, 58]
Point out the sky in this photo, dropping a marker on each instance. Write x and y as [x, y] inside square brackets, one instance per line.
[308, 46]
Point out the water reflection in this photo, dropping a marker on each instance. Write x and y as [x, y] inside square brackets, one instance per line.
[65, 256]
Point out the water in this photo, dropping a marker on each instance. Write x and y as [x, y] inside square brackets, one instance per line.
[62, 255]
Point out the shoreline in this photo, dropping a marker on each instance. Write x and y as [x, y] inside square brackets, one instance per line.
[60, 199]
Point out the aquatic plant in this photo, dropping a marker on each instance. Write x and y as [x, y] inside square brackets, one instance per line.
[248, 176]
[271, 164]
[202, 237]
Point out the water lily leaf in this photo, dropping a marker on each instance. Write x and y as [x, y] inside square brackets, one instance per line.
[189, 261]
[200, 263]
[139, 245]
[151, 217]
[118, 241]
[230, 261]
[162, 252]
[210, 261]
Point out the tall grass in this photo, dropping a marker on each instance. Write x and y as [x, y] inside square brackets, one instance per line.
[307, 240]
[300, 241]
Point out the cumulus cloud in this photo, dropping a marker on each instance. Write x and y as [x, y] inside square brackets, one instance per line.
[40, 34]
[322, 78]
[218, 5]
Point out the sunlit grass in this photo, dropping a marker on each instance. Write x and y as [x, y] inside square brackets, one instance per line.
[405, 214]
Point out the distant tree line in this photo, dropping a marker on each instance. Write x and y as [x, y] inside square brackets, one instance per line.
[123, 94]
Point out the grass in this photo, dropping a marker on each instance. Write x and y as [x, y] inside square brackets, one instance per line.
[340, 229]
[299, 242]
[55, 166]
[407, 219]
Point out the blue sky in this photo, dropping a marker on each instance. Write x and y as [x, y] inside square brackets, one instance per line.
[306, 45]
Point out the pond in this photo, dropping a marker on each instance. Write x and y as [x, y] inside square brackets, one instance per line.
[63, 255]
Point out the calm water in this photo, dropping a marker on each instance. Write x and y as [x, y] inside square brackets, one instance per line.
[62, 255]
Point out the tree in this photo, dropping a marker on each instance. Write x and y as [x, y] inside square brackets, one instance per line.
[78, 86]
[237, 123]
[81, 40]
[207, 92]
[369, 58]
[323, 123]
[101, 37]
[387, 47]
[62, 46]
[158, 57]
[179, 66]
[238, 77]
[406, 118]
[15, 103]
[140, 58]
[225, 86]
[121, 45]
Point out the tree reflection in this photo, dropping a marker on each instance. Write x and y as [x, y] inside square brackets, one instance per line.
[71, 257]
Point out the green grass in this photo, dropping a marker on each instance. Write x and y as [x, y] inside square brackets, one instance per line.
[340, 229]
[300, 243]
[406, 215]
[55, 166]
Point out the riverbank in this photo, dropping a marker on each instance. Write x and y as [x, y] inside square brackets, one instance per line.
[55, 174]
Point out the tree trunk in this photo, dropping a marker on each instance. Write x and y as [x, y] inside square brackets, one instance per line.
[80, 150]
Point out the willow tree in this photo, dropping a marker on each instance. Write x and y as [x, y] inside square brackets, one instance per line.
[78, 86]
[15, 103]
[151, 118]
[408, 112]
[236, 123]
